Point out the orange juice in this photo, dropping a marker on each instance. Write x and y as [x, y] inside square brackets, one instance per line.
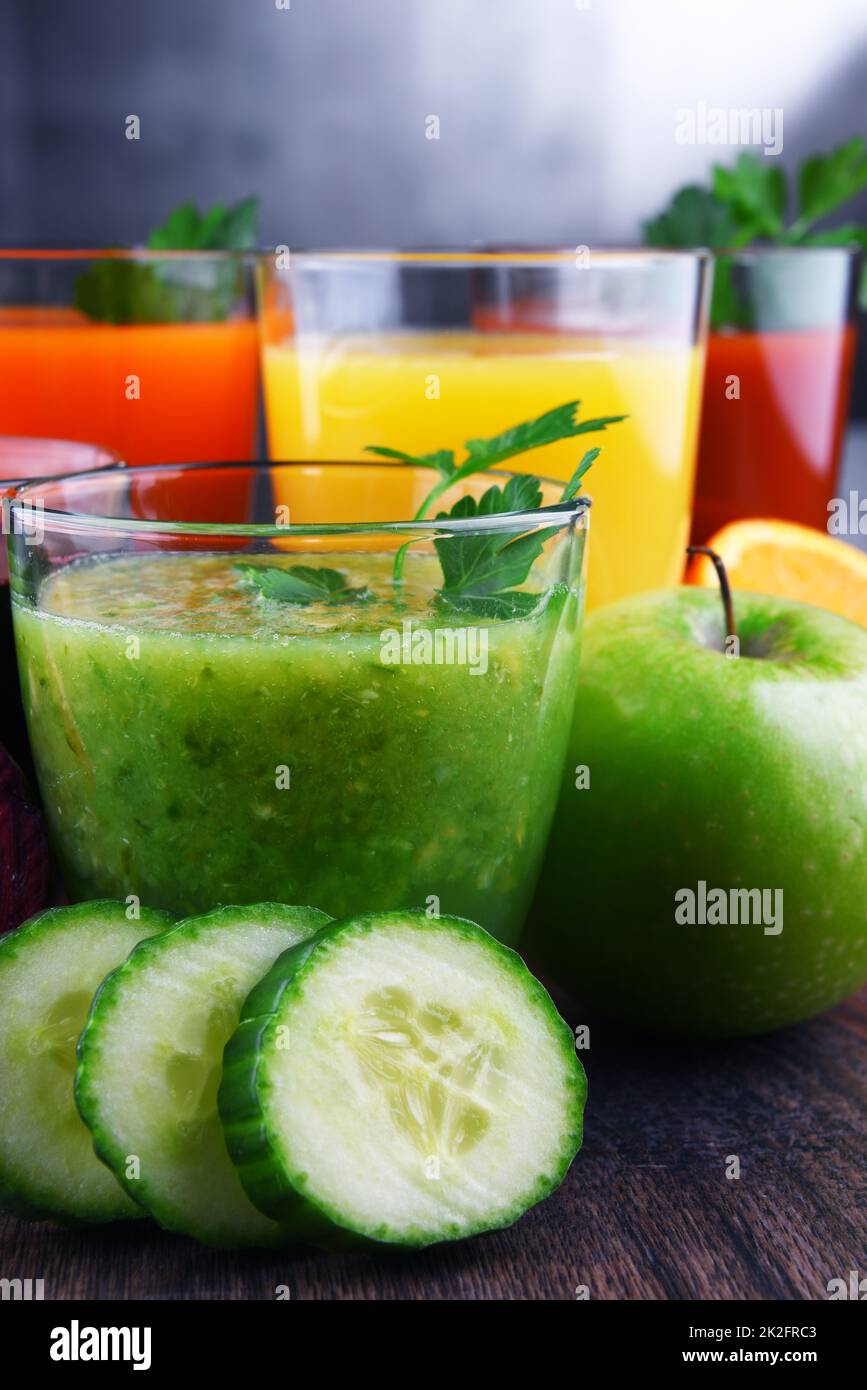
[193, 397]
[328, 396]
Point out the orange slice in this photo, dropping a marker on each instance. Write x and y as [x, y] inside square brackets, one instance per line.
[779, 557]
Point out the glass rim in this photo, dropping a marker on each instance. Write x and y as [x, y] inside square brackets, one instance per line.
[447, 255]
[310, 257]
[851, 249]
[457, 257]
[560, 514]
[119, 253]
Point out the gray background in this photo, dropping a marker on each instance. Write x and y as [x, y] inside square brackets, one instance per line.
[557, 122]
[557, 118]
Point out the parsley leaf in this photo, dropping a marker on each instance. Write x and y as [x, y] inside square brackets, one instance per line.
[570, 491]
[848, 235]
[521, 493]
[826, 181]
[482, 565]
[480, 570]
[750, 201]
[755, 192]
[221, 228]
[124, 291]
[301, 584]
[514, 603]
[443, 460]
[555, 425]
[182, 291]
[695, 217]
[483, 454]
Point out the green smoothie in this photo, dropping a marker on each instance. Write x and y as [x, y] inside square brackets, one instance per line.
[199, 742]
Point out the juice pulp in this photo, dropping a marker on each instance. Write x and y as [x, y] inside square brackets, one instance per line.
[244, 749]
[63, 376]
[772, 451]
[328, 397]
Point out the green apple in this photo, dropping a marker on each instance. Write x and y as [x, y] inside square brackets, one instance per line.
[692, 773]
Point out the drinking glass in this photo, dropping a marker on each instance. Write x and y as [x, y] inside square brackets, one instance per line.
[776, 393]
[284, 705]
[151, 354]
[421, 352]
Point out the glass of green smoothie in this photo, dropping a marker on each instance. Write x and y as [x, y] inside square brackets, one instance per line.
[278, 701]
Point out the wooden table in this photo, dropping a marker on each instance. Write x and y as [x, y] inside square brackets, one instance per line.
[647, 1211]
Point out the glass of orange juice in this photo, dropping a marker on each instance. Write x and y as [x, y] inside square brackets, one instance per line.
[153, 355]
[423, 351]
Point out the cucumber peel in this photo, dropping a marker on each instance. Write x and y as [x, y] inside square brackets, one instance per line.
[49, 970]
[400, 1080]
[149, 1066]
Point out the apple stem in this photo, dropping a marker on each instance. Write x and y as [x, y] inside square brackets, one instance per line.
[725, 588]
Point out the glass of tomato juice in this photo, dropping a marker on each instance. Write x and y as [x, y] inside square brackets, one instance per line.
[777, 383]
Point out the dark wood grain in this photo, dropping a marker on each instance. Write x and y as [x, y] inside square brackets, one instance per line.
[647, 1211]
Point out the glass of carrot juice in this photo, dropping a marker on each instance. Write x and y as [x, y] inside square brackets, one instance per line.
[151, 355]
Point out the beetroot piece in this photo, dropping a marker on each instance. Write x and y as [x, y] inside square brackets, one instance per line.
[24, 860]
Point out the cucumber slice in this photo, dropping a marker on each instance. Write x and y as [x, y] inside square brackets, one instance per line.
[403, 1079]
[150, 1059]
[49, 970]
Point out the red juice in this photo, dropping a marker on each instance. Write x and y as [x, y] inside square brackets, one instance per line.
[773, 449]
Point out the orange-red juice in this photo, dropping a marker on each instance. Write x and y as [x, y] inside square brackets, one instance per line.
[774, 449]
[65, 376]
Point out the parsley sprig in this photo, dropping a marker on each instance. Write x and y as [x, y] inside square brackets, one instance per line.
[133, 291]
[483, 454]
[750, 201]
[482, 568]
